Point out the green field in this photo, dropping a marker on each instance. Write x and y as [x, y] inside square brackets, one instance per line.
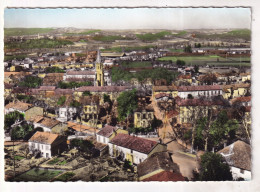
[153, 37]
[38, 175]
[209, 60]
[9, 58]
[83, 33]
[37, 43]
[240, 33]
[26, 31]
[176, 50]
[109, 38]
[128, 49]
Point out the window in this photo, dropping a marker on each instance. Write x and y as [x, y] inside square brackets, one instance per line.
[242, 171]
[104, 140]
[47, 147]
[42, 146]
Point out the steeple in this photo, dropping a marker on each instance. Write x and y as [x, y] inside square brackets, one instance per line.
[98, 60]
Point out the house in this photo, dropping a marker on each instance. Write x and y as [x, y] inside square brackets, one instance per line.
[8, 89]
[162, 97]
[105, 134]
[27, 109]
[236, 90]
[47, 144]
[47, 123]
[238, 157]
[90, 110]
[245, 77]
[66, 114]
[143, 117]
[200, 90]
[133, 149]
[159, 167]
[184, 79]
[190, 109]
[81, 130]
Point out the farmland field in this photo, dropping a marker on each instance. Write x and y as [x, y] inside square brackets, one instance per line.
[26, 31]
[38, 175]
[210, 60]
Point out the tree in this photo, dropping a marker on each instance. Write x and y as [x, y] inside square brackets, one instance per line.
[31, 82]
[188, 49]
[11, 118]
[86, 93]
[126, 104]
[82, 145]
[23, 131]
[180, 62]
[75, 103]
[61, 100]
[209, 78]
[213, 168]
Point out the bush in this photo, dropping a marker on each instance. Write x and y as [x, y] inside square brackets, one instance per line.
[61, 100]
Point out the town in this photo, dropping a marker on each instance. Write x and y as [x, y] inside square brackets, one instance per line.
[127, 105]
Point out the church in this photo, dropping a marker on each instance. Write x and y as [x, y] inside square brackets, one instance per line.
[102, 77]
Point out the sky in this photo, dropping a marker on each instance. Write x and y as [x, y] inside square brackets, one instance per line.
[135, 18]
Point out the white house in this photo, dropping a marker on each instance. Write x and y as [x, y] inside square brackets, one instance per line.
[47, 144]
[201, 90]
[66, 113]
[238, 157]
[79, 75]
[105, 133]
[133, 149]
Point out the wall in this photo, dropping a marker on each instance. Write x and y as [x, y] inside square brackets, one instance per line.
[236, 173]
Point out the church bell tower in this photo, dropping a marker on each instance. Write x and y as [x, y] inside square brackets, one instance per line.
[99, 71]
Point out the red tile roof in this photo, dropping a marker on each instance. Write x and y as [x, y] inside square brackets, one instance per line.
[107, 131]
[134, 143]
[44, 137]
[19, 106]
[166, 176]
[199, 88]
[184, 77]
[172, 113]
[164, 88]
[47, 88]
[241, 99]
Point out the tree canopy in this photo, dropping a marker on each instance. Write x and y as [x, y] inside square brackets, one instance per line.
[126, 103]
[54, 70]
[31, 82]
[10, 119]
[213, 168]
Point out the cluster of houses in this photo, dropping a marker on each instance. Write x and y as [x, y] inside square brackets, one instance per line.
[188, 93]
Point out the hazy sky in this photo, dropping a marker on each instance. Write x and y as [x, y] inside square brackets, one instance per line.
[138, 18]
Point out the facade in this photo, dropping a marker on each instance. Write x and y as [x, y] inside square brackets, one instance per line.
[78, 75]
[133, 149]
[66, 113]
[172, 90]
[236, 90]
[99, 79]
[105, 134]
[143, 117]
[198, 91]
[47, 144]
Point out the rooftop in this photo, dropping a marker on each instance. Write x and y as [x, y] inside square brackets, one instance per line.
[164, 88]
[46, 121]
[19, 106]
[107, 131]
[81, 73]
[103, 88]
[198, 102]
[44, 137]
[166, 176]
[238, 154]
[157, 161]
[134, 143]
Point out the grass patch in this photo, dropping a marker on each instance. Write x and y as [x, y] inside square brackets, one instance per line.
[84, 32]
[176, 50]
[181, 33]
[17, 157]
[65, 176]
[26, 31]
[136, 64]
[62, 162]
[38, 175]
[54, 161]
